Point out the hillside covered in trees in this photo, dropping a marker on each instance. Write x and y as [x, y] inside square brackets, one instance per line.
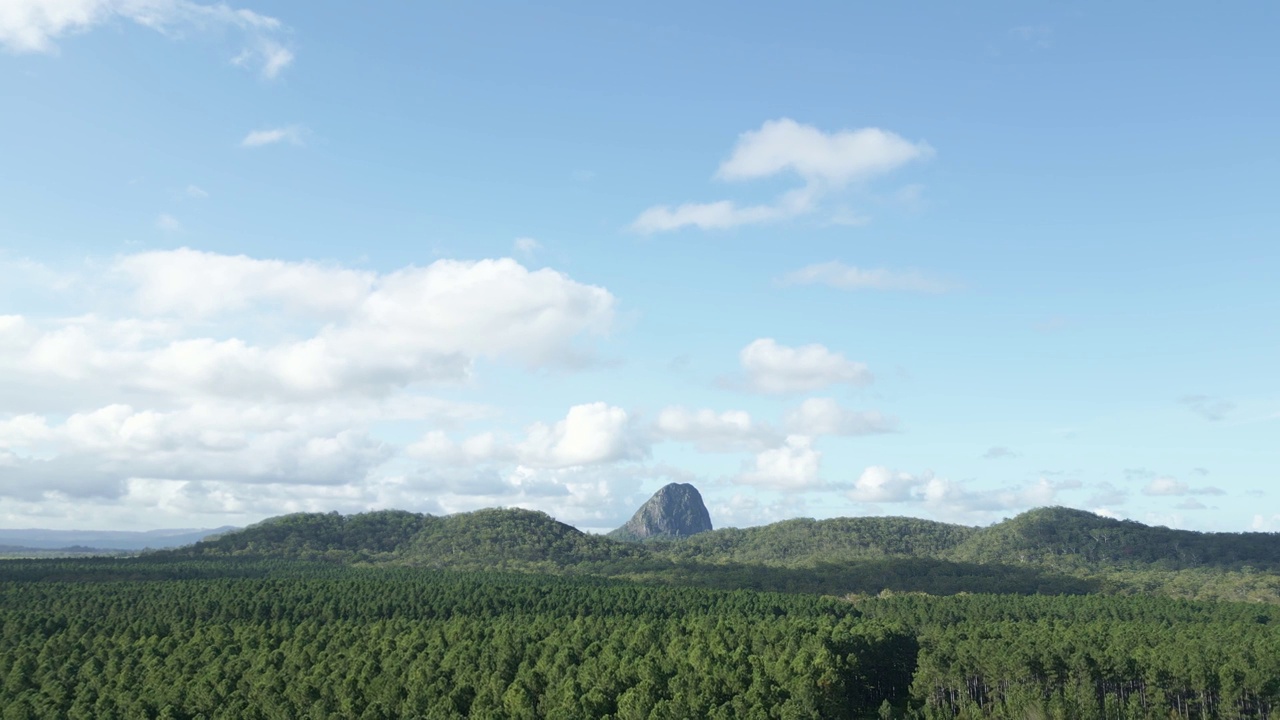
[1049, 550]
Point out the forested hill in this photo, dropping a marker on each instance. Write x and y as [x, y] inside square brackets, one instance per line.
[1055, 538]
[484, 539]
[806, 541]
[311, 536]
[1063, 537]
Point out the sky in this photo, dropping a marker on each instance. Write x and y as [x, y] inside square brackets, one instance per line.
[950, 261]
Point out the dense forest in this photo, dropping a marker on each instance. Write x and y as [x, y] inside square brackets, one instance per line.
[510, 614]
[235, 638]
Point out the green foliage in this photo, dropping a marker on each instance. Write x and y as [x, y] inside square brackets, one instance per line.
[511, 539]
[233, 637]
[1066, 539]
[1089, 657]
[329, 536]
[805, 542]
[1046, 551]
[308, 640]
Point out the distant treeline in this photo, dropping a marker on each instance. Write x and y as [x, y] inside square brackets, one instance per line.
[236, 638]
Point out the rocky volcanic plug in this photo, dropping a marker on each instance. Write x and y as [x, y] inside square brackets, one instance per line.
[674, 511]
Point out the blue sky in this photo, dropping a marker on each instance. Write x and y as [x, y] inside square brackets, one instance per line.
[819, 260]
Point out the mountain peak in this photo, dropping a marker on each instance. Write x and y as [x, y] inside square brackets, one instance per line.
[676, 510]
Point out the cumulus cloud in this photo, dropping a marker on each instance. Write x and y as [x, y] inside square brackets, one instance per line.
[591, 434]
[1262, 523]
[291, 134]
[344, 331]
[709, 431]
[190, 282]
[774, 368]
[792, 466]
[34, 25]
[835, 158]
[743, 510]
[825, 416]
[438, 449]
[592, 497]
[879, 484]
[203, 374]
[998, 452]
[825, 161]
[951, 499]
[95, 453]
[847, 277]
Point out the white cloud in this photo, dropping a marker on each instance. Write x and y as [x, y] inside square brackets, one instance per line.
[1166, 486]
[1172, 487]
[951, 499]
[846, 277]
[436, 447]
[590, 434]
[879, 484]
[23, 431]
[793, 466]
[328, 331]
[825, 416]
[292, 134]
[1262, 523]
[225, 372]
[709, 431]
[194, 283]
[834, 158]
[722, 214]
[345, 330]
[271, 55]
[527, 246]
[774, 368]
[168, 223]
[706, 216]
[998, 452]
[34, 25]
[742, 510]
[825, 161]
[95, 453]
[196, 192]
